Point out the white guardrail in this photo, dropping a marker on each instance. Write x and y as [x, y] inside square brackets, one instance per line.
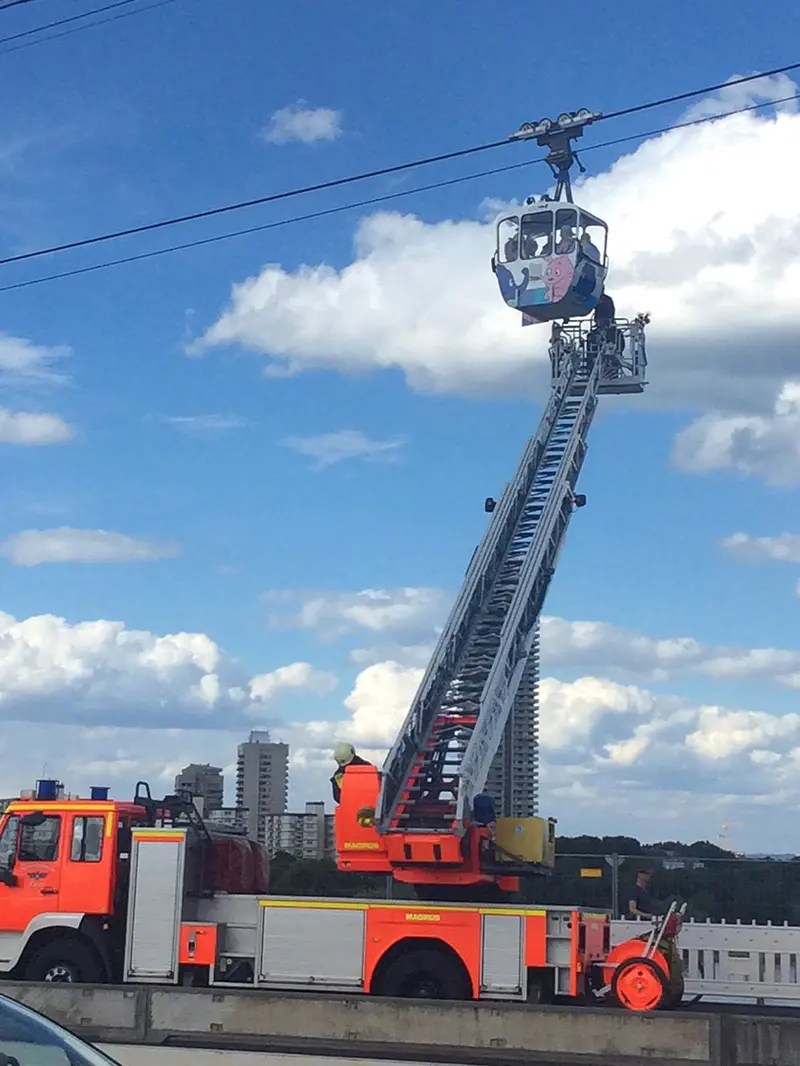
[733, 961]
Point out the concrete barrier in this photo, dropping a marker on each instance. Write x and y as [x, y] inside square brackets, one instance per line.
[413, 1030]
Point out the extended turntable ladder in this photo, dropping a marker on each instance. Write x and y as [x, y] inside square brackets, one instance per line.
[443, 752]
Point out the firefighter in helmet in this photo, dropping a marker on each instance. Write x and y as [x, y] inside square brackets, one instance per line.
[345, 755]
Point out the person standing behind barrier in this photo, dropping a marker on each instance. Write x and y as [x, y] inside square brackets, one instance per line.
[640, 902]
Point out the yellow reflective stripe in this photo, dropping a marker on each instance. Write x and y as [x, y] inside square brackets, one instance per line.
[514, 912]
[55, 807]
[314, 905]
[157, 834]
[410, 906]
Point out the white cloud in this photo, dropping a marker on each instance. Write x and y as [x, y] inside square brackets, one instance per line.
[764, 445]
[65, 545]
[331, 448]
[296, 122]
[784, 548]
[681, 246]
[102, 673]
[201, 425]
[402, 613]
[721, 734]
[629, 653]
[379, 702]
[28, 428]
[22, 361]
[569, 712]
[772, 89]
[299, 676]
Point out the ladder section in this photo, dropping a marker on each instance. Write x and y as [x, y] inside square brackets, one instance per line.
[518, 638]
[482, 572]
[440, 729]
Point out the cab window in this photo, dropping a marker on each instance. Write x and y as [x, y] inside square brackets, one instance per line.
[87, 839]
[38, 841]
[8, 842]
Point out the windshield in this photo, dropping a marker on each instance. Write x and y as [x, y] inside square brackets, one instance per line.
[29, 1039]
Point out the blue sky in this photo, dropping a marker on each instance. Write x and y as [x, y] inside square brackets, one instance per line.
[173, 419]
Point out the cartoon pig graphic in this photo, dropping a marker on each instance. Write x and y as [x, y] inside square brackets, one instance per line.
[558, 277]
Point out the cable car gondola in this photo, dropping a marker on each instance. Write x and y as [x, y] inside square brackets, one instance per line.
[550, 259]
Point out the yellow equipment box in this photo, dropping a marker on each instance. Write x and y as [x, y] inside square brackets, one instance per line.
[529, 839]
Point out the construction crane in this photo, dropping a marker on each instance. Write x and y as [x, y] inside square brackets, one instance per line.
[416, 819]
[725, 835]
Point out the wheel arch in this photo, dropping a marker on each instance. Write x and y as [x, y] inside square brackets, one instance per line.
[406, 946]
[41, 926]
[85, 931]
[634, 948]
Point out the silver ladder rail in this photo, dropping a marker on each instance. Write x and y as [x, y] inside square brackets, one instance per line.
[519, 628]
[426, 760]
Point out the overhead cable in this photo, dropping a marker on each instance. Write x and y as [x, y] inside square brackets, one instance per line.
[194, 216]
[14, 3]
[374, 200]
[77, 18]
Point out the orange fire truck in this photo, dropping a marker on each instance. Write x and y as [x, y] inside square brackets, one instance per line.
[96, 890]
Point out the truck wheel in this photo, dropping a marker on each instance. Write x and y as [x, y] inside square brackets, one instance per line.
[640, 985]
[425, 974]
[67, 961]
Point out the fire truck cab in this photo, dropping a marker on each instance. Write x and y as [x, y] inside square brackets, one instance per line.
[65, 872]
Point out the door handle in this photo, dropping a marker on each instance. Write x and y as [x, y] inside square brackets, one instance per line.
[49, 891]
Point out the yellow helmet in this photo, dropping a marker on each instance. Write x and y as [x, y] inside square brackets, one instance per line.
[343, 753]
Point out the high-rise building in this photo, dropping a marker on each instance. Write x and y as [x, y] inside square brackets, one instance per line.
[203, 781]
[513, 779]
[306, 835]
[232, 818]
[262, 780]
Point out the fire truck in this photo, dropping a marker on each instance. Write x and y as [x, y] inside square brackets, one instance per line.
[97, 890]
[104, 891]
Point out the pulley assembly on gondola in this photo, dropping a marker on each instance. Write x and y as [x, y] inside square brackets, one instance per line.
[550, 259]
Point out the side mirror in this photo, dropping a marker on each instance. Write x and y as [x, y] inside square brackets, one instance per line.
[7, 877]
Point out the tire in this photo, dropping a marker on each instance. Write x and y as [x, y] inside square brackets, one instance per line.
[640, 985]
[425, 974]
[675, 993]
[66, 961]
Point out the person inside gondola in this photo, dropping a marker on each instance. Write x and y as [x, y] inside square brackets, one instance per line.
[566, 242]
[589, 249]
